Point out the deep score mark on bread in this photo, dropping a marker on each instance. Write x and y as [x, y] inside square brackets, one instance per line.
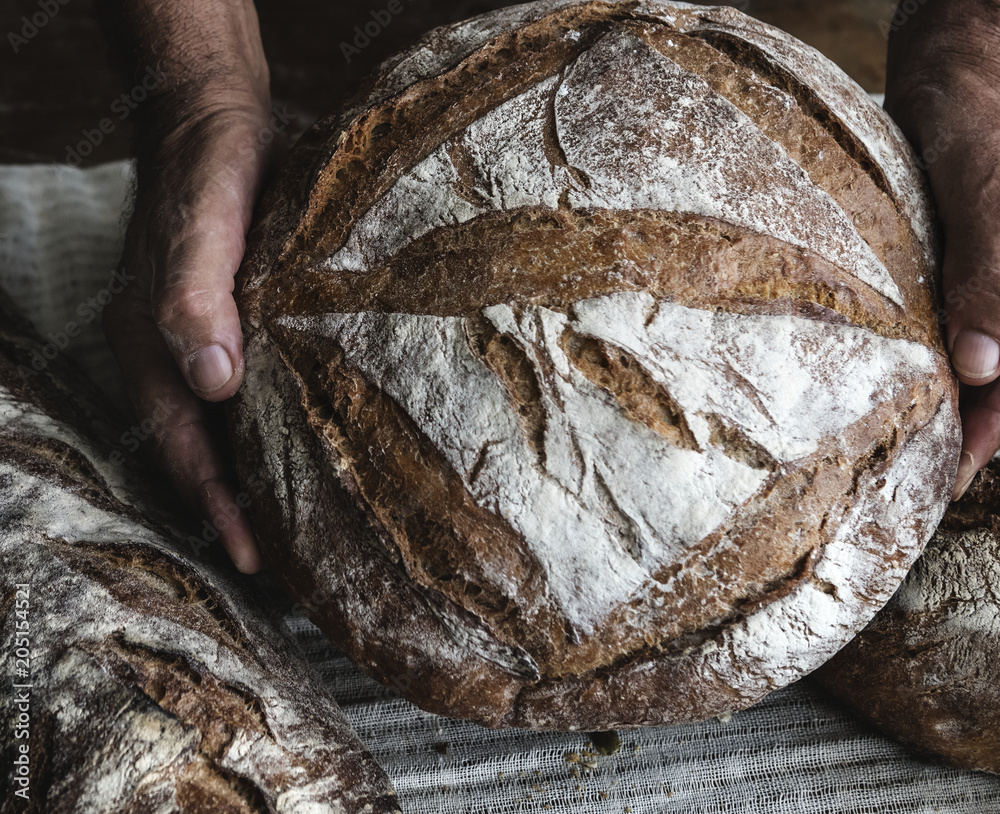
[592, 360]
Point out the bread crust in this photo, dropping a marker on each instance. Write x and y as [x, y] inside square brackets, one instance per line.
[924, 669]
[483, 278]
[154, 683]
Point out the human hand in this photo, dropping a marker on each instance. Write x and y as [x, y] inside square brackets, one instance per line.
[201, 163]
[943, 88]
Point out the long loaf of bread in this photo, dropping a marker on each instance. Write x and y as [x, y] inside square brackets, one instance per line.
[140, 678]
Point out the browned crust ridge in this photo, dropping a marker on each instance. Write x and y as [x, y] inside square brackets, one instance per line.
[912, 673]
[397, 522]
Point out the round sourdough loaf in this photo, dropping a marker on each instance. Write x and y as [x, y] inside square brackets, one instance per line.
[592, 367]
[926, 670]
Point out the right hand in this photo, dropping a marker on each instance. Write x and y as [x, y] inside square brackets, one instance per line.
[943, 88]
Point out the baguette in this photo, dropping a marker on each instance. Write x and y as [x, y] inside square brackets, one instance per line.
[145, 679]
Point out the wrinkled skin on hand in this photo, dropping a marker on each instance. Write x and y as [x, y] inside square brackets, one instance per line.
[943, 88]
[205, 141]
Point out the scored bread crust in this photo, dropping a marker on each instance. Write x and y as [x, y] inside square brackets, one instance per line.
[925, 669]
[153, 683]
[484, 278]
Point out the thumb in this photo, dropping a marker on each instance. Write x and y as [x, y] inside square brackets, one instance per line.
[952, 114]
[196, 239]
[943, 89]
[967, 188]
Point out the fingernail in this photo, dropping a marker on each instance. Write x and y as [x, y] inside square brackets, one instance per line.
[247, 563]
[966, 472]
[210, 368]
[975, 355]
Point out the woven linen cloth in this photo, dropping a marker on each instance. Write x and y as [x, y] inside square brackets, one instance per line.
[797, 751]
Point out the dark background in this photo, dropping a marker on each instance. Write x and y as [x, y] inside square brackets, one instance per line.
[60, 83]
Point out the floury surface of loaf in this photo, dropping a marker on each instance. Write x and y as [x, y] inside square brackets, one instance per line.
[591, 354]
[153, 683]
[926, 669]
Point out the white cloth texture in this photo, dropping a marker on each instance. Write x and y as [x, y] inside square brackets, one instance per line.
[797, 751]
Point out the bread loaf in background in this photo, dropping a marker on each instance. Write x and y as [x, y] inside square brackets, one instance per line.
[926, 669]
[139, 677]
[592, 359]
